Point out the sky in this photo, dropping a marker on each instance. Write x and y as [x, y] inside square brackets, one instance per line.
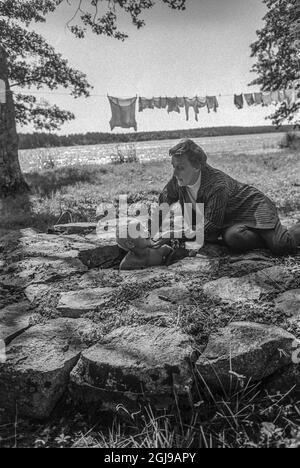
[202, 51]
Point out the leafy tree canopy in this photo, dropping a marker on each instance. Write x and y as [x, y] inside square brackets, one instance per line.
[33, 63]
[277, 51]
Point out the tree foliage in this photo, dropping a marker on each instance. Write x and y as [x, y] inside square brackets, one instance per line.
[33, 63]
[277, 51]
[101, 16]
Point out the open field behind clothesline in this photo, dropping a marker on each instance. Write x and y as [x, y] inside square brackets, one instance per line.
[37, 159]
[79, 189]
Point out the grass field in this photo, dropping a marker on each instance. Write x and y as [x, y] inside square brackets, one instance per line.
[80, 189]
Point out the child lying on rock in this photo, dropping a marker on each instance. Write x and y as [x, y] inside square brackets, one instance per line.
[141, 252]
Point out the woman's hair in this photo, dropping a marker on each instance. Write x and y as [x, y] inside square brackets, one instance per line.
[195, 153]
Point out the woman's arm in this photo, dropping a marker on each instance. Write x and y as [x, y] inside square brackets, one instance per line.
[215, 210]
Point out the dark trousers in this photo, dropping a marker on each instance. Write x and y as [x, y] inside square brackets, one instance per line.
[279, 240]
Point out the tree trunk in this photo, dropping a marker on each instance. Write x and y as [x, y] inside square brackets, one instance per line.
[11, 179]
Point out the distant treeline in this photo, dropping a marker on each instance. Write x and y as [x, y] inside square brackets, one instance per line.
[47, 140]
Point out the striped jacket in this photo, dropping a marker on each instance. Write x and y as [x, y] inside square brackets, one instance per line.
[226, 202]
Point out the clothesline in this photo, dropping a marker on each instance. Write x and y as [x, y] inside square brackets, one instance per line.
[124, 110]
[50, 93]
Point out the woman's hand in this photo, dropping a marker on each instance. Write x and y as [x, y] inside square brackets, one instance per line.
[160, 243]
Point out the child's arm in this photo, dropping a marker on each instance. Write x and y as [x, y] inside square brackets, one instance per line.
[153, 257]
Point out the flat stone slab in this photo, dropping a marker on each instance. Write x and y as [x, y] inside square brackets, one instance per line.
[45, 270]
[76, 304]
[249, 350]
[163, 299]
[198, 264]
[245, 267]
[99, 278]
[154, 317]
[29, 232]
[52, 246]
[232, 290]
[104, 253]
[74, 228]
[162, 273]
[134, 362]
[14, 320]
[289, 304]
[256, 256]
[275, 278]
[38, 364]
[249, 287]
[36, 292]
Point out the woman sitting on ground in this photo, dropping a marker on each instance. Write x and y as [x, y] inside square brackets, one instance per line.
[243, 216]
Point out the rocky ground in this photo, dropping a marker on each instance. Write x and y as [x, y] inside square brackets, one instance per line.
[73, 324]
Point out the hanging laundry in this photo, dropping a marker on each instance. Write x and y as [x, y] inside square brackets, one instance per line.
[267, 101]
[172, 105]
[157, 103]
[188, 103]
[239, 101]
[258, 99]
[196, 103]
[123, 113]
[212, 103]
[180, 102]
[249, 99]
[201, 102]
[163, 102]
[2, 92]
[275, 97]
[160, 102]
[145, 104]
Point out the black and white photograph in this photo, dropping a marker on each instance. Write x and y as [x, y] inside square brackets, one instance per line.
[149, 227]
